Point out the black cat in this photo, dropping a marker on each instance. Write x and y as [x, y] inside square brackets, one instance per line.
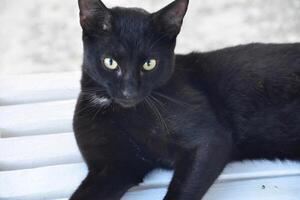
[142, 107]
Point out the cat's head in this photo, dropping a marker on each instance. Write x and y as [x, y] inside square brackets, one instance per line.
[128, 52]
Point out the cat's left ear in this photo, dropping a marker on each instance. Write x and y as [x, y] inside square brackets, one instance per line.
[170, 18]
[94, 14]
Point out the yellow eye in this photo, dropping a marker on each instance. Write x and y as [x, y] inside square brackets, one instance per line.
[110, 63]
[150, 65]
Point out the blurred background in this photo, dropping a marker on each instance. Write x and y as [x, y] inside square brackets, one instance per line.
[45, 36]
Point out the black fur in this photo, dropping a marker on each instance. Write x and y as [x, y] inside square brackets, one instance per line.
[194, 113]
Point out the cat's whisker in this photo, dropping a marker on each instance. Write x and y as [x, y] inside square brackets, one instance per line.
[172, 99]
[157, 101]
[155, 110]
[96, 113]
[95, 101]
[89, 107]
[102, 101]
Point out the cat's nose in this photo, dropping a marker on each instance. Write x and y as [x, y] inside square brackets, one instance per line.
[129, 94]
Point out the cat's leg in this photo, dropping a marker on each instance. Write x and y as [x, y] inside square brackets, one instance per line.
[114, 162]
[109, 184]
[196, 170]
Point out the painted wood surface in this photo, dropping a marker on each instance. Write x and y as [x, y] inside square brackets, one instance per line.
[238, 181]
[37, 118]
[39, 158]
[21, 89]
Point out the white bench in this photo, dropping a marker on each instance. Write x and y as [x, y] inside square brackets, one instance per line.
[39, 158]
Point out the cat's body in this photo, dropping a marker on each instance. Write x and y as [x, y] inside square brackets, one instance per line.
[217, 107]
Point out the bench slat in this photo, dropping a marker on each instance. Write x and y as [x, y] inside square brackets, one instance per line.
[37, 118]
[36, 151]
[61, 180]
[41, 183]
[53, 149]
[20, 89]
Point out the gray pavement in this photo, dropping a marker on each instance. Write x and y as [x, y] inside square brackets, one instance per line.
[44, 36]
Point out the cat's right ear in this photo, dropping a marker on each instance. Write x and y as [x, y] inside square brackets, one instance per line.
[169, 19]
[94, 15]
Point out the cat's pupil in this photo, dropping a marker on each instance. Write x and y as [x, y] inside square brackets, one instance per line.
[111, 61]
[148, 63]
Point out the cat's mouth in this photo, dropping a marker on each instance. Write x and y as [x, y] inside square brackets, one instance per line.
[127, 103]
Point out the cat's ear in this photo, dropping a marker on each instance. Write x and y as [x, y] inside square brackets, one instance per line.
[170, 18]
[94, 15]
